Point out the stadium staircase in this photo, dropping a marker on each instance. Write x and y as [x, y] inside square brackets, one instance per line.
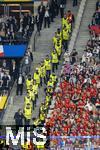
[43, 47]
[83, 35]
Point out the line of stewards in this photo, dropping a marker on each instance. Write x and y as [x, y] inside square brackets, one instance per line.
[27, 112]
[32, 90]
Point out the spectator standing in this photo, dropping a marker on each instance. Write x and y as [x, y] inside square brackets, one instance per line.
[20, 82]
[62, 10]
[27, 63]
[5, 82]
[98, 4]
[38, 23]
[46, 18]
[41, 11]
[74, 56]
[18, 119]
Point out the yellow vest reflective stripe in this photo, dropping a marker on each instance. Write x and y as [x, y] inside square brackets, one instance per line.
[42, 117]
[28, 83]
[28, 113]
[64, 22]
[35, 88]
[47, 64]
[58, 50]
[59, 35]
[27, 100]
[43, 71]
[65, 35]
[32, 95]
[54, 58]
[54, 40]
[37, 78]
[69, 27]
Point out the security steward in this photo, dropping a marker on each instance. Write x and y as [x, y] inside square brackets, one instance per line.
[32, 96]
[64, 21]
[48, 67]
[59, 34]
[36, 77]
[53, 77]
[65, 34]
[54, 58]
[27, 98]
[42, 117]
[42, 73]
[29, 81]
[58, 48]
[50, 83]
[42, 108]
[54, 39]
[28, 113]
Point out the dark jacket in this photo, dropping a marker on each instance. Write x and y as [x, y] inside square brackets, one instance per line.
[18, 119]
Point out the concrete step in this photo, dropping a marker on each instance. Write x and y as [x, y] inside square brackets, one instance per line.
[83, 35]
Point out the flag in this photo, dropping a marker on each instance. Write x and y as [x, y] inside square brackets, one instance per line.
[1, 51]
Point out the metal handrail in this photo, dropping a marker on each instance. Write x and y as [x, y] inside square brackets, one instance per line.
[35, 40]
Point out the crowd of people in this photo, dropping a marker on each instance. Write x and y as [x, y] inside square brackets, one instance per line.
[94, 27]
[46, 14]
[8, 73]
[16, 30]
[45, 72]
[77, 100]
[45, 76]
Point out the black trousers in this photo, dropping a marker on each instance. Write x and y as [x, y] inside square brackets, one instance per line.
[62, 12]
[38, 27]
[54, 67]
[43, 80]
[41, 22]
[48, 72]
[46, 22]
[65, 44]
[27, 122]
[19, 89]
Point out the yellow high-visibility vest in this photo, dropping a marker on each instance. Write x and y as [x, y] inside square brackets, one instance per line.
[54, 39]
[32, 95]
[58, 49]
[50, 83]
[35, 88]
[53, 77]
[27, 100]
[29, 83]
[64, 22]
[47, 64]
[42, 117]
[37, 77]
[65, 34]
[28, 112]
[54, 57]
[43, 71]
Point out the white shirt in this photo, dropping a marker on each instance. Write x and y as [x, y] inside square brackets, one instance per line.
[20, 80]
[46, 13]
